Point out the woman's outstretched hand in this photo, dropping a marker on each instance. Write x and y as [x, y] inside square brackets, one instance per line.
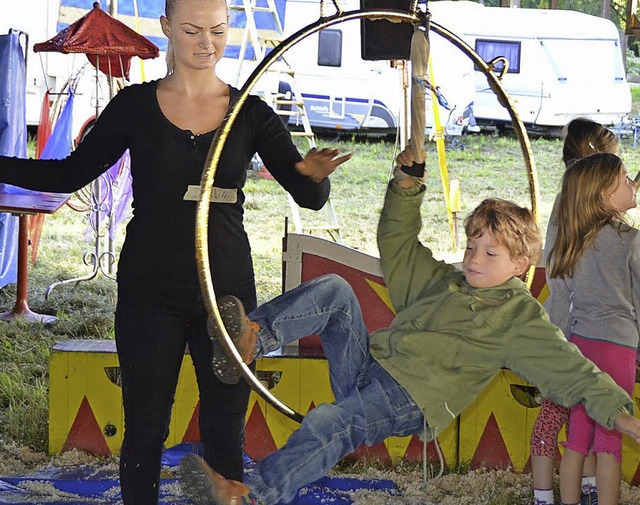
[318, 164]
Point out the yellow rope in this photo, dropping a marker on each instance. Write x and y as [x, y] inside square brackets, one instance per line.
[442, 154]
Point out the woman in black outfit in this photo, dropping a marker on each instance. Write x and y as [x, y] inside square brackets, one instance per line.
[168, 126]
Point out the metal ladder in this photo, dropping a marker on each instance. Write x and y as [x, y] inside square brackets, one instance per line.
[287, 103]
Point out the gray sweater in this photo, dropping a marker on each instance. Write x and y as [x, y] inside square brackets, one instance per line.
[601, 300]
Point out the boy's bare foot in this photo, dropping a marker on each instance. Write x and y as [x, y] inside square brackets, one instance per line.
[204, 486]
[243, 333]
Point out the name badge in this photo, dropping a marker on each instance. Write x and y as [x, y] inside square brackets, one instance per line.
[218, 195]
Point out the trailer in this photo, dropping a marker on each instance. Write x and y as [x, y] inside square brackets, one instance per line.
[343, 91]
[561, 64]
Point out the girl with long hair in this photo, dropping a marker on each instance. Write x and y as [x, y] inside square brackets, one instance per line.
[582, 137]
[593, 269]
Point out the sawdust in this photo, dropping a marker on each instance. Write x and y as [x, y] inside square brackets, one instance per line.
[75, 457]
[476, 487]
[16, 460]
[45, 492]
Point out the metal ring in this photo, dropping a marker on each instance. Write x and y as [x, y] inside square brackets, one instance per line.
[222, 133]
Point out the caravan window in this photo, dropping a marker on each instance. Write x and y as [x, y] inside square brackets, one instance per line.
[490, 49]
[330, 48]
[568, 57]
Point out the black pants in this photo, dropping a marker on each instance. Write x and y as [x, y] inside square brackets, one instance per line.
[152, 329]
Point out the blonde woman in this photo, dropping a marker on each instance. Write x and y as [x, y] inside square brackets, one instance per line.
[168, 126]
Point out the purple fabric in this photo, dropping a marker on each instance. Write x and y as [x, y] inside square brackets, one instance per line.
[115, 198]
[60, 141]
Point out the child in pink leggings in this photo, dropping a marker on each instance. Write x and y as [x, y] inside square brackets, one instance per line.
[619, 362]
[593, 271]
[583, 137]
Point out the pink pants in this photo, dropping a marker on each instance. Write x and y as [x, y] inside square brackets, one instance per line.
[620, 363]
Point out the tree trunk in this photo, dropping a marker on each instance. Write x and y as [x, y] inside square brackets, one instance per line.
[605, 10]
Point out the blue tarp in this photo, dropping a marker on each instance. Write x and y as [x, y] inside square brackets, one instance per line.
[85, 484]
[149, 12]
[13, 139]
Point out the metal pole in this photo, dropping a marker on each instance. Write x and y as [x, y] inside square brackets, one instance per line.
[113, 12]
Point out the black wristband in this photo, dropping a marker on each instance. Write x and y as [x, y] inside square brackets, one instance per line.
[415, 170]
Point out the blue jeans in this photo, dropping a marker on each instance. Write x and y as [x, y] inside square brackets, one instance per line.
[370, 405]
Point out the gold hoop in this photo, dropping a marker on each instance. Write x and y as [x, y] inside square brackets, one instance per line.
[222, 133]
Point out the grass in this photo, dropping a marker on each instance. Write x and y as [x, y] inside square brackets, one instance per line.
[485, 165]
[635, 99]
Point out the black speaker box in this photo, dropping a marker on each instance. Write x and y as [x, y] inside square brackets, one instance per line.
[382, 39]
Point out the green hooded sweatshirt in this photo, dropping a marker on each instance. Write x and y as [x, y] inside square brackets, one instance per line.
[449, 339]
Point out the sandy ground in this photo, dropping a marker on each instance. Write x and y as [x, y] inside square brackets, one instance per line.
[480, 487]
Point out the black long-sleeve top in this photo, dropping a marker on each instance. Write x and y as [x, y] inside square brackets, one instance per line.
[159, 248]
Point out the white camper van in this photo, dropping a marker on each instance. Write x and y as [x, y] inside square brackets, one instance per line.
[562, 64]
[342, 91]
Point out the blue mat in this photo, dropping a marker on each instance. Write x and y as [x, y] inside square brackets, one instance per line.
[84, 484]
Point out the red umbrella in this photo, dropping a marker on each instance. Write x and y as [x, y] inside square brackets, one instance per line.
[109, 46]
[97, 34]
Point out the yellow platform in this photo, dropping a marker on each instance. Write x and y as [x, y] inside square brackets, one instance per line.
[85, 405]
[495, 430]
[85, 412]
[85, 408]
